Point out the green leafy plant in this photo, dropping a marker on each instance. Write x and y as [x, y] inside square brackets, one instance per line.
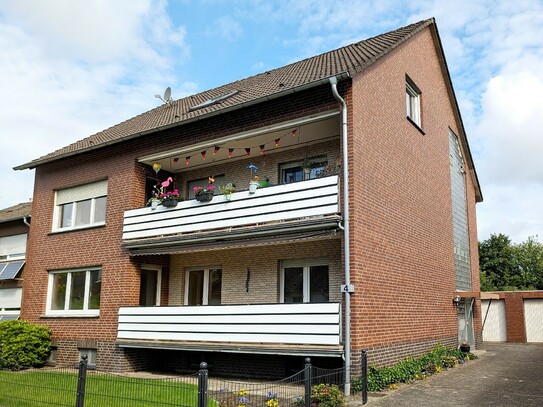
[326, 395]
[227, 189]
[23, 344]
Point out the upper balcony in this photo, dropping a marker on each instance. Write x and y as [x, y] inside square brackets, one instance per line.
[300, 210]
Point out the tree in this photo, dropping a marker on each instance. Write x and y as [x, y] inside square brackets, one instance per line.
[506, 266]
[496, 262]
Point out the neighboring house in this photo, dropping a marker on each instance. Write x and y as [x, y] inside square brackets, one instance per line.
[14, 226]
[255, 284]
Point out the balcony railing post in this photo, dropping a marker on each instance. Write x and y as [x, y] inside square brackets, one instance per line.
[202, 385]
[307, 382]
[81, 380]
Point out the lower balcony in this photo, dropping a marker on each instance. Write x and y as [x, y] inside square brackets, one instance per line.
[289, 329]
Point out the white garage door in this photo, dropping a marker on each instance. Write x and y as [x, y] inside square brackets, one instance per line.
[533, 318]
[495, 329]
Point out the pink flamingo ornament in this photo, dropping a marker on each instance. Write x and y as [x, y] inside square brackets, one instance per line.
[166, 183]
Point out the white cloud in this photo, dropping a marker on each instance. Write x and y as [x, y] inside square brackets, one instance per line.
[68, 70]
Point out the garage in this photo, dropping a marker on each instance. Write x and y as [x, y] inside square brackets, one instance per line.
[533, 317]
[495, 327]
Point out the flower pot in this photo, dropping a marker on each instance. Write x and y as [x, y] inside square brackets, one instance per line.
[465, 348]
[228, 197]
[154, 204]
[253, 185]
[169, 203]
[204, 197]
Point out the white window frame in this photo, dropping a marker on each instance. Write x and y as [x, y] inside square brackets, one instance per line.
[80, 312]
[205, 288]
[412, 101]
[306, 264]
[102, 186]
[13, 247]
[158, 269]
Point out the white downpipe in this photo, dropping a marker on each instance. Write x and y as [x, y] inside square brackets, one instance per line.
[346, 237]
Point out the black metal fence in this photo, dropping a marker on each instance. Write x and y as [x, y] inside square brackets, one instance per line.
[88, 388]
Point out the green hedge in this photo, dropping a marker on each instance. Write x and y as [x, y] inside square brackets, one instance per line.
[23, 344]
[412, 368]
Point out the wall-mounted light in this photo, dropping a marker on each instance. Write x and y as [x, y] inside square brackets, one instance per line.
[456, 301]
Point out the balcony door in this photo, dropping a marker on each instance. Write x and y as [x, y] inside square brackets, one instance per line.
[150, 284]
[203, 286]
[304, 280]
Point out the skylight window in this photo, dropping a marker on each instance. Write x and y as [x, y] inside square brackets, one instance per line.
[210, 102]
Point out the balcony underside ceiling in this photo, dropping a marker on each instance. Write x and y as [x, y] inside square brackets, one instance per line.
[251, 236]
[274, 139]
[232, 347]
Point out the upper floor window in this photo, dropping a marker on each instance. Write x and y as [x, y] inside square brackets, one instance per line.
[13, 247]
[81, 206]
[74, 292]
[299, 171]
[412, 101]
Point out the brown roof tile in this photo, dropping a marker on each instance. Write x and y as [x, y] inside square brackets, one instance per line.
[16, 212]
[350, 59]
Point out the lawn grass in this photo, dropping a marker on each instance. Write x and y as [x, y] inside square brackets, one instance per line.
[58, 388]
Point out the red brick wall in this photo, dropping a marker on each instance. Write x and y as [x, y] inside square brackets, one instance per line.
[402, 244]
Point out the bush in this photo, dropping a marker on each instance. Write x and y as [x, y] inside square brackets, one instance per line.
[411, 368]
[23, 344]
[326, 395]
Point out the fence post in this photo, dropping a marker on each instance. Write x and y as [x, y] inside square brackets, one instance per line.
[202, 385]
[81, 379]
[364, 368]
[307, 381]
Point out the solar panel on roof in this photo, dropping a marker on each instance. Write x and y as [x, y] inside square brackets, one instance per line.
[11, 269]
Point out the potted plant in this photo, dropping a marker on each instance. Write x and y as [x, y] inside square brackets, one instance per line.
[204, 194]
[166, 198]
[465, 346]
[228, 190]
[254, 183]
[170, 199]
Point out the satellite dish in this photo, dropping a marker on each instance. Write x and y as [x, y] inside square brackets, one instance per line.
[167, 96]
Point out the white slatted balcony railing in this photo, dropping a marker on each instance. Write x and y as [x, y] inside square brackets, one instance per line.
[301, 200]
[271, 324]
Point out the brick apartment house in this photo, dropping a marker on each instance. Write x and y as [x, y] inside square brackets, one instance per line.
[362, 238]
[14, 226]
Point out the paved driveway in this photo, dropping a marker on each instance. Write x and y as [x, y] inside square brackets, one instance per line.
[504, 375]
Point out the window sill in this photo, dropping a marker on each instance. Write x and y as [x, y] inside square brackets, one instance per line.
[416, 125]
[48, 316]
[67, 230]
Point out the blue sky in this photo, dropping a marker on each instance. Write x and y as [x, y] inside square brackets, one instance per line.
[68, 70]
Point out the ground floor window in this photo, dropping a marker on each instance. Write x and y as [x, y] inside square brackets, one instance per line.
[203, 286]
[150, 285]
[304, 280]
[74, 291]
[91, 357]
